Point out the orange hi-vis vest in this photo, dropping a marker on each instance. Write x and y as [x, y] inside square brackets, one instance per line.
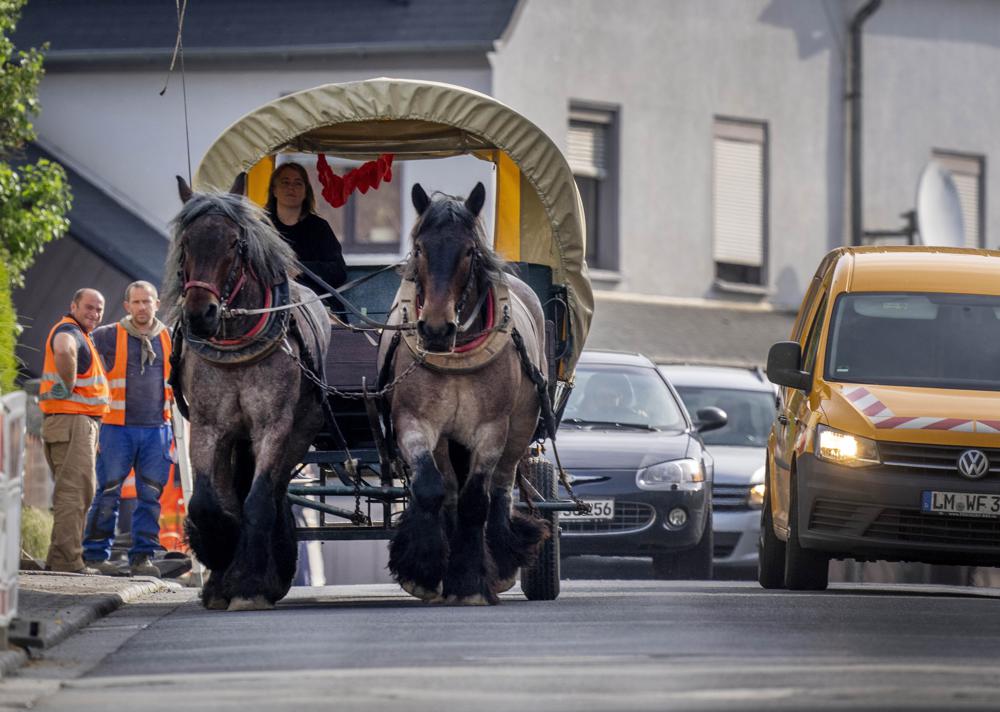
[117, 374]
[90, 393]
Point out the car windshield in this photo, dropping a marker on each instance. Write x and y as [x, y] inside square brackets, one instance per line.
[622, 396]
[929, 340]
[749, 414]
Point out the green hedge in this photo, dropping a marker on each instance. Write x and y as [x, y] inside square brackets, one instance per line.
[8, 333]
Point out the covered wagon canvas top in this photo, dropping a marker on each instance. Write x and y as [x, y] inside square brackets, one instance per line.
[539, 213]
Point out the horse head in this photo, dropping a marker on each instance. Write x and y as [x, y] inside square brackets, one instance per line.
[212, 250]
[448, 250]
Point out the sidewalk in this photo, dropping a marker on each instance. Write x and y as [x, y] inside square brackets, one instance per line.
[62, 604]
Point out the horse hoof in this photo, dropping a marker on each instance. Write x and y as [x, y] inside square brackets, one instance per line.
[506, 584]
[417, 591]
[477, 599]
[257, 603]
[217, 604]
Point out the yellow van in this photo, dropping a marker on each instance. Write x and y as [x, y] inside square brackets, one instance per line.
[886, 445]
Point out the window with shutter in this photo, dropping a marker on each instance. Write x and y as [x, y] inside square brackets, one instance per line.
[967, 172]
[591, 154]
[739, 200]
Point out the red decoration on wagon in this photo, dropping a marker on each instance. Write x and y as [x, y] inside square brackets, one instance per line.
[369, 175]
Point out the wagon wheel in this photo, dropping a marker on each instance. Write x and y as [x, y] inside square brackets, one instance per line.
[540, 581]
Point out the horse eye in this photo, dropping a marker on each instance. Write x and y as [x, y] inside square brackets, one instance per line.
[468, 253]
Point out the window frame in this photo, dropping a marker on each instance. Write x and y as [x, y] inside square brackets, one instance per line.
[960, 162]
[756, 131]
[607, 117]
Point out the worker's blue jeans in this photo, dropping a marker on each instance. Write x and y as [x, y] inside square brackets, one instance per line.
[122, 448]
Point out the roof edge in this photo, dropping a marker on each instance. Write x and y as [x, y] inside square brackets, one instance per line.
[55, 59]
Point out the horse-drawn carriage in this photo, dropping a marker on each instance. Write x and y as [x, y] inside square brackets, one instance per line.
[379, 346]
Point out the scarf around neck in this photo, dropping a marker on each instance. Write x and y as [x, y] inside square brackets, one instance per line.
[145, 340]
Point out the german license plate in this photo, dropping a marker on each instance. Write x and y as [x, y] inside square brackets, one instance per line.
[962, 503]
[599, 509]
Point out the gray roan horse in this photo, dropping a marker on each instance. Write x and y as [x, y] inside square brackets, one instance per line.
[253, 415]
[462, 433]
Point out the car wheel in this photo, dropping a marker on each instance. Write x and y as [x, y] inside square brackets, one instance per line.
[694, 563]
[805, 569]
[770, 549]
[540, 581]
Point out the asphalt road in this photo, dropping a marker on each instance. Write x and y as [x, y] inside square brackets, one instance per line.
[603, 645]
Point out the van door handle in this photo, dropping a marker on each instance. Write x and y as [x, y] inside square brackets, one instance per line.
[783, 419]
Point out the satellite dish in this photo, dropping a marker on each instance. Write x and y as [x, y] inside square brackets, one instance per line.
[939, 212]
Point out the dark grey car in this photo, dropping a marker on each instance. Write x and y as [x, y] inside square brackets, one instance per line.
[633, 453]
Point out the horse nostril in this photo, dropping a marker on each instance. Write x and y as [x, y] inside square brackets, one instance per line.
[422, 328]
[211, 311]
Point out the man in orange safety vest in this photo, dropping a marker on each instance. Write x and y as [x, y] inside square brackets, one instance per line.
[137, 433]
[73, 396]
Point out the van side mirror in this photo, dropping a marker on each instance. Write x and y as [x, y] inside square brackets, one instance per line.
[710, 418]
[784, 366]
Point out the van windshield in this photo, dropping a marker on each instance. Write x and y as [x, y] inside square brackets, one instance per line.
[916, 339]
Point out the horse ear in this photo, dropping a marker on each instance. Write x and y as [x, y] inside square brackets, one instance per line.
[420, 199]
[476, 199]
[184, 190]
[239, 186]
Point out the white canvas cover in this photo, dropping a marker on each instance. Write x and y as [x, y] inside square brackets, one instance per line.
[415, 119]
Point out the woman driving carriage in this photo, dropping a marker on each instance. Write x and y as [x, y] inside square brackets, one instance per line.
[291, 205]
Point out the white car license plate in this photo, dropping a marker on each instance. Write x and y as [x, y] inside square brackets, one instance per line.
[599, 509]
[963, 503]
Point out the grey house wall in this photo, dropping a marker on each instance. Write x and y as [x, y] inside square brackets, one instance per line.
[671, 67]
[931, 72]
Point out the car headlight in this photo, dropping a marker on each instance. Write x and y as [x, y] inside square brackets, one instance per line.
[755, 497]
[669, 473]
[844, 448]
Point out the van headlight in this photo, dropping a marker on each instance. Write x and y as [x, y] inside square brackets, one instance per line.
[844, 448]
[755, 498]
[669, 473]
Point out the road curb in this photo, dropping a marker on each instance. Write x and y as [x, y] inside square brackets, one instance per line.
[74, 618]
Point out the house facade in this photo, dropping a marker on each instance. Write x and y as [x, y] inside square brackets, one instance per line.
[711, 139]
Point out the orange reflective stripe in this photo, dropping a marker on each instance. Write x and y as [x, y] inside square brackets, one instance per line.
[90, 393]
[119, 372]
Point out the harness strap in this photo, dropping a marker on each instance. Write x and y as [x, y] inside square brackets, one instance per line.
[208, 286]
[174, 380]
[546, 418]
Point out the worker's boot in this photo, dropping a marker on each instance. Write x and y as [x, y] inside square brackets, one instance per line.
[142, 566]
[105, 568]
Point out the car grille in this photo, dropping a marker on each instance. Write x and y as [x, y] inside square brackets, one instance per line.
[723, 543]
[915, 526]
[730, 496]
[832, 516]
[629, 516]
[902, 525]
[930, 458]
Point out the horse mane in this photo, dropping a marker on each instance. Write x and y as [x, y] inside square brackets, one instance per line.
[446, 210]
[272, 259]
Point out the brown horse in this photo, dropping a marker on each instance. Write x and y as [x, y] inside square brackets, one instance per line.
[464, 419]
[253, 414]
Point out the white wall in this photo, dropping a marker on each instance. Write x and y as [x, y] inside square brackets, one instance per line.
[116, 129]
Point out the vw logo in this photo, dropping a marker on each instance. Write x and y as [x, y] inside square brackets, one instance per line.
[973, 464]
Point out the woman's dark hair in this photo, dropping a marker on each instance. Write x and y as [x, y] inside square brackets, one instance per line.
[308, 205]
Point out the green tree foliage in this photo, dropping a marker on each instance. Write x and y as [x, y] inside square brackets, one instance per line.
[8, 364]
[34, 199]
